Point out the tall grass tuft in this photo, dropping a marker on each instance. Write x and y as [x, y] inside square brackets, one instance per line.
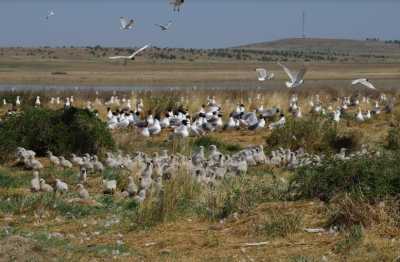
[352, 240]
[239, 195]
[178, 198]
[279, 224]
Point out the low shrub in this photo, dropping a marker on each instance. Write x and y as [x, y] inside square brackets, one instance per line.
[373, 178]
[296, 133]
[160, 104]
[345, 212]
[62, 132]
[338, 140]
[314, 134]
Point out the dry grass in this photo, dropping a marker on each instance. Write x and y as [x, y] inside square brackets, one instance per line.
[191, 239]
[18, 67]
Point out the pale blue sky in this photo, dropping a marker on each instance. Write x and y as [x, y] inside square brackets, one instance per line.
[200, 24]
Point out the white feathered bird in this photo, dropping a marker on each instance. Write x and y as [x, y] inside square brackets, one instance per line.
[296, 79]
[61, 186]
[126, 23]
[263, 75]
[164, 27]
[50, 14]
[363, 81]
[132, 56]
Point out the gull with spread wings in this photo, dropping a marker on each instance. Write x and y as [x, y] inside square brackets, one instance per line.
[132, 56]
[263, 75]
[126, 23]
[50, 14]
[296, 80]
[164, 27]
[363, 81]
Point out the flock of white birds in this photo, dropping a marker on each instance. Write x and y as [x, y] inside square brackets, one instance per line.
[148, 173]
[296, 79]
[213, 117]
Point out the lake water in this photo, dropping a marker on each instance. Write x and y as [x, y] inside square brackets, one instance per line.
[381, 84]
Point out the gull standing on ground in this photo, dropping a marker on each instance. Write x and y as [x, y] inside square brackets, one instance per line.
[364, 81]
[164, 27]
[83, 193]
[18, 101]
[132, 56]
[263, 75]
[296, 80]
[61, 186]
[126, 23]
[37, 101]
[35, 182]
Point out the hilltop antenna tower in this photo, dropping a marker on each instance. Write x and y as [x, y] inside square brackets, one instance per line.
[303, 28]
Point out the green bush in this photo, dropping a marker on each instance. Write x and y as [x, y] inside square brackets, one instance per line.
[307, 133]
[373, 178]
[338, 140]
[314, 134]
[61, 131]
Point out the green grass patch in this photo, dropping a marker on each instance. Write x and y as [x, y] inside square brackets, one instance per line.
[372, 178]
[207, 141]
[353, 239]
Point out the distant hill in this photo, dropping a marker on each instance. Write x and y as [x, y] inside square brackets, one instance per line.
[285, 50]
[324, 45]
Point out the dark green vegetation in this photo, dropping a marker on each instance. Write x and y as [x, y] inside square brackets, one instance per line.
[60, 131]
[314, 134]
[373, 178]
[393, 139]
